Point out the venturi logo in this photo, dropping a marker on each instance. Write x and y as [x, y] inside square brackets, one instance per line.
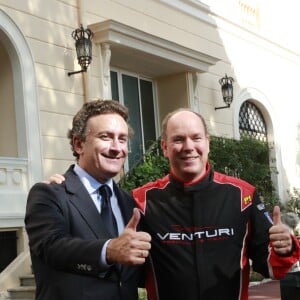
[198, 234]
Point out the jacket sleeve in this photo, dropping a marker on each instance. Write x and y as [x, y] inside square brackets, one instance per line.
[264, 260]
[282, 264]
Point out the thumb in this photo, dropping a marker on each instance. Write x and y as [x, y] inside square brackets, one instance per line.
[276, 215]
[134, 221]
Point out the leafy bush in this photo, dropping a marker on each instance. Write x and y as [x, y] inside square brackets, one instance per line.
[293, 203]
[153, 166]
[291, 211]
[247, 159]
[254, 276]
[142, 294]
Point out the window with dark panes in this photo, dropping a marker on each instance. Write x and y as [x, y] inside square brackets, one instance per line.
[136, 93]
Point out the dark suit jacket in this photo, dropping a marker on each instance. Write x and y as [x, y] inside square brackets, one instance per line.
[66, 235]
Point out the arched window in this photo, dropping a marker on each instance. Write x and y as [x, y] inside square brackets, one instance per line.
[252, 123]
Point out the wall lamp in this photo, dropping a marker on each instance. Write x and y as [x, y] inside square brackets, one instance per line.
[83, 43]
[227, 91]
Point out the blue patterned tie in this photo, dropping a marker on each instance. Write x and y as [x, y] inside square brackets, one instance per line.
[106, 211]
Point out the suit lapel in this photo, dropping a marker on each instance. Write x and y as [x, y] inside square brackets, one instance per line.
[81, 200]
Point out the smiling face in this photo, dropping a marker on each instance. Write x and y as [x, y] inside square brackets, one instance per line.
[103, 152]
[186, 145]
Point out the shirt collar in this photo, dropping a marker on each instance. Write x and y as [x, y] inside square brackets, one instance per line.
[90, 183]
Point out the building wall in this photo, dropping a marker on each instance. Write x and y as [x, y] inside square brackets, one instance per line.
[173, 89]
[248, 49]
[253, 41]
[264, 58]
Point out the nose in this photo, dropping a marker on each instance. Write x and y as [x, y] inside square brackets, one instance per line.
[116, 145]
[188, 144]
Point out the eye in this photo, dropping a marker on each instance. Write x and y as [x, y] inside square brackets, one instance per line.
[104, 137]
[123, 139]
[178, 140]
[197, 138]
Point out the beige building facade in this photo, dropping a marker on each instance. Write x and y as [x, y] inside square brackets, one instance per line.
[153, 56]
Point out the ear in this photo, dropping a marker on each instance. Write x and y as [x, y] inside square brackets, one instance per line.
[208, 143]
[77, 145]
[164, 148]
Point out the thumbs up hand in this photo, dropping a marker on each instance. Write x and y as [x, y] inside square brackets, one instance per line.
[276, 216]
[134, 221]
[280, 234]
[131, 247]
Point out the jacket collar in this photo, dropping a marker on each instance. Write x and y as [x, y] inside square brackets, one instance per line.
[195, 185]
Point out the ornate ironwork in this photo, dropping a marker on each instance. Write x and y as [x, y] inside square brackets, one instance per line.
[83, 46]
[252, 123]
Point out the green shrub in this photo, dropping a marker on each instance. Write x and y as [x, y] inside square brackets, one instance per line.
[142, 294]
[247, 159]
[153, 166]
[255, 276]
[293, 202]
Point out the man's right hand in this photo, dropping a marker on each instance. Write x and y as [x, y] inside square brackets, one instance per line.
[56, 178]
[131, 247]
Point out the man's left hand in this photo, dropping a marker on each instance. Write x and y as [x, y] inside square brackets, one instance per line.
[280, 235]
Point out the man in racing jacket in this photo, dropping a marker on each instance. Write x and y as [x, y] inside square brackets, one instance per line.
[205, 226]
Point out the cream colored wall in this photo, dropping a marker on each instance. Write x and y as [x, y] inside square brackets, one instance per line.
[172, 93]
[47, 27]
[282, 26]
[49, 37]
[264, 61]
[253, 61]
[263, 67]
[156, 18]
[273, 71]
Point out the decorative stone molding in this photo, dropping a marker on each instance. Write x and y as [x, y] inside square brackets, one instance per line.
[13, 173]
[13, 191]
[134, 49]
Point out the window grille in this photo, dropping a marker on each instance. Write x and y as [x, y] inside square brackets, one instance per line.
[252, 123]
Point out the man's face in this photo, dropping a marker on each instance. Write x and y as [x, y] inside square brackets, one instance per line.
[186, 146]
[104, 151]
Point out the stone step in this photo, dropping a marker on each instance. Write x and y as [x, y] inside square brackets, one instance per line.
[27, 280]
[19, 298]
[22, 293]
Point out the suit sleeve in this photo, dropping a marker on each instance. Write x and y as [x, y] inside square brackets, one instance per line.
[50, 239]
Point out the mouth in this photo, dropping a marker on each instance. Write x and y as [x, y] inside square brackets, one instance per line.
[113, 157]
[189, 158]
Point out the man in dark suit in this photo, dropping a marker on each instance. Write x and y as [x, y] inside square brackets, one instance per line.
[73, 254]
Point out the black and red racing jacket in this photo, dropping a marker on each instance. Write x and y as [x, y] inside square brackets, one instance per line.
[203, 236]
